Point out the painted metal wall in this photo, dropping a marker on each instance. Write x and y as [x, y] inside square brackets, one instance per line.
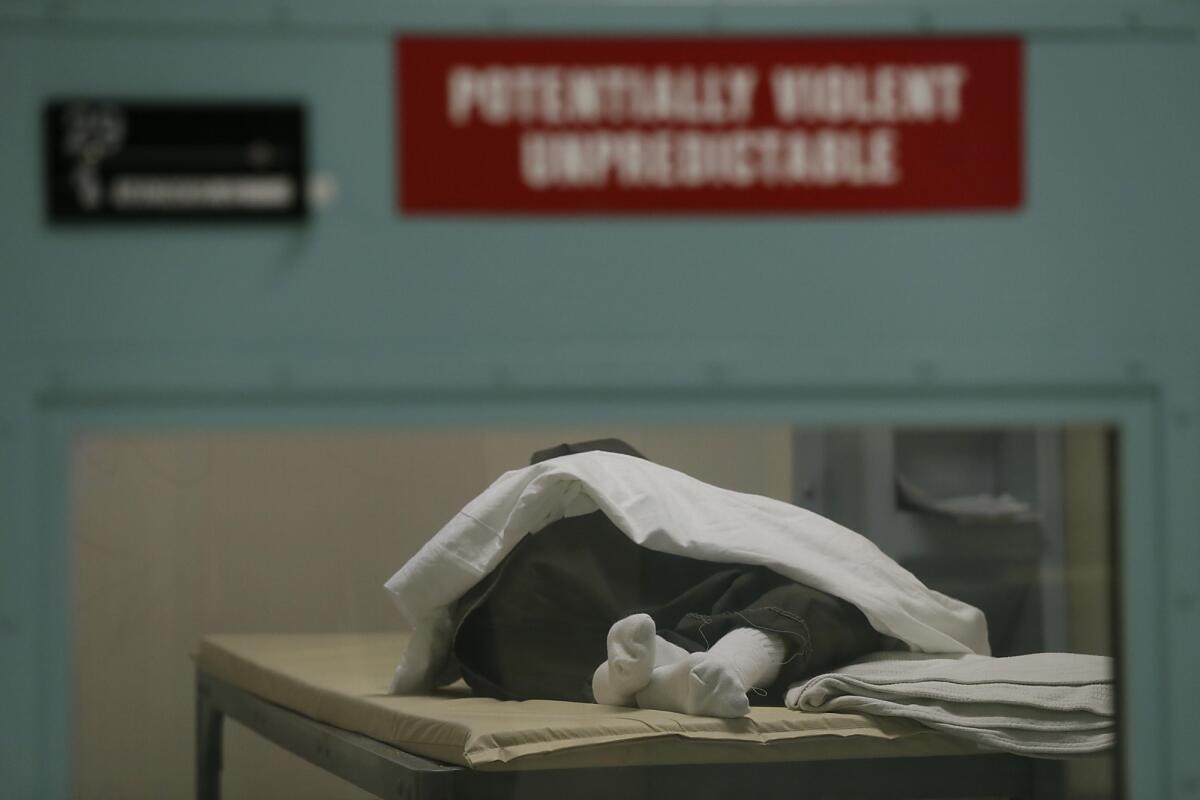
[1088, 293]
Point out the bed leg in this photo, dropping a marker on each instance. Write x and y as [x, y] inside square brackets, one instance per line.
[209, 724]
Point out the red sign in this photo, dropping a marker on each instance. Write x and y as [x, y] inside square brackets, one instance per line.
[684, 125]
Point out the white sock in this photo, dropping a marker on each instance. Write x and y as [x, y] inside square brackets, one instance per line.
[753, 654]
[634, 650]
[714, 684]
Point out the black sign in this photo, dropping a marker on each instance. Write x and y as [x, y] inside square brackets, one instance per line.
[141, 161]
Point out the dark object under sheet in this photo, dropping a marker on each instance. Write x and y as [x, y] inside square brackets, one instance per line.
[535, 627]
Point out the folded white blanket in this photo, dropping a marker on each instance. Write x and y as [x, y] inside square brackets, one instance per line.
[1045, 704]
[671, 512]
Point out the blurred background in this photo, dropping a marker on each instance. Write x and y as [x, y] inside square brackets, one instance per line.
[178, 535]
[275, 302]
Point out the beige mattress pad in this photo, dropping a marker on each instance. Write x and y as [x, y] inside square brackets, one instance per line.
[342, 679]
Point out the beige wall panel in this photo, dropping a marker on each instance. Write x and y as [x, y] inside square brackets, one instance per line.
[743, 458]
[1088, 530]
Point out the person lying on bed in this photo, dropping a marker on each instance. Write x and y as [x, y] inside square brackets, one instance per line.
[587, 615]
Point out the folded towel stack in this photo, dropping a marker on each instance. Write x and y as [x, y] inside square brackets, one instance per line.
[1044, 704]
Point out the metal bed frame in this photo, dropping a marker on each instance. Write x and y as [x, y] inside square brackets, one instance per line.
[391, 773]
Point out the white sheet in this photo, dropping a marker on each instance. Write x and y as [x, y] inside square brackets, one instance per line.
[668, 511]
[1044, 704]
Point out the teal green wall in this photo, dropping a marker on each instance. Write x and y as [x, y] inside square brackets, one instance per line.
[1085, 299]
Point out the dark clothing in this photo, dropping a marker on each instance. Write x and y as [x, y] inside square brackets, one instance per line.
[536, 626]
[607, 445]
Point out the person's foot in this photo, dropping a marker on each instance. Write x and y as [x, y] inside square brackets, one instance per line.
[602, 691]
[631, 654]
[634, 650]
[700, 685]
[714, 684]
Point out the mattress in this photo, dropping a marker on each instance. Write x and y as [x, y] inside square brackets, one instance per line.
[342, 680]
